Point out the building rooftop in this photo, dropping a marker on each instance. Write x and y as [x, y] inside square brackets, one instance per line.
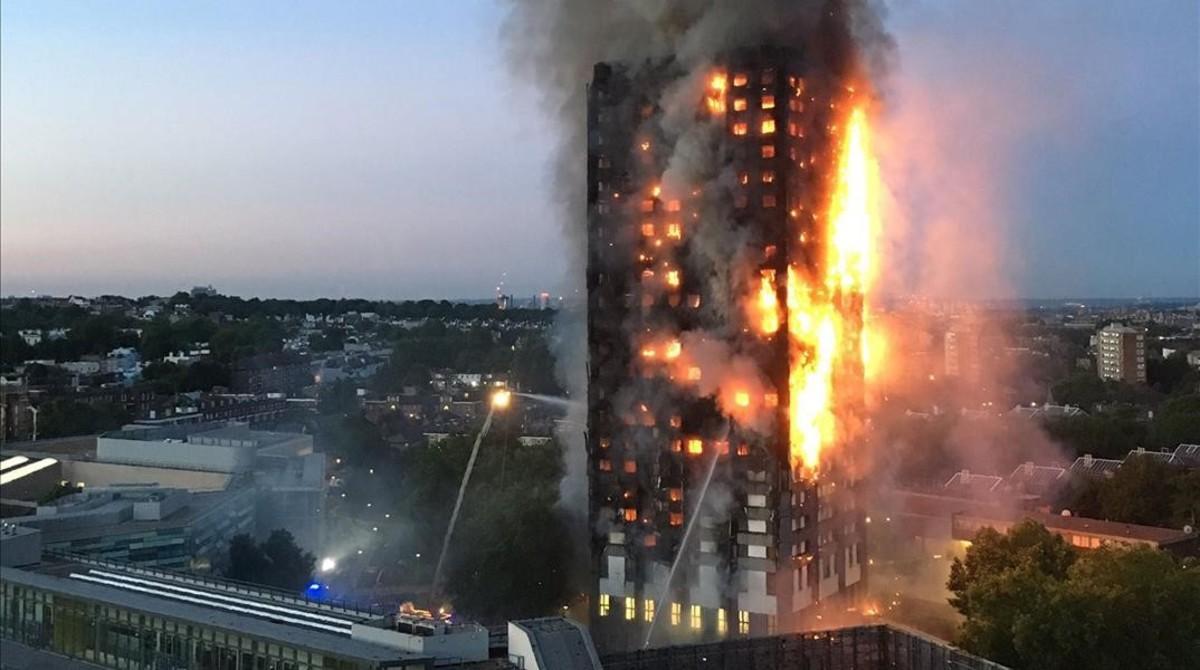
[1113, 529]
[1091, 466]
[1187, 455]
[559, 643]
[207, 602]
[972, 484]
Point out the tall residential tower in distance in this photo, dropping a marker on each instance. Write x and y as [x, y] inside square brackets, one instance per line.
[1121, 353]
[726, 349]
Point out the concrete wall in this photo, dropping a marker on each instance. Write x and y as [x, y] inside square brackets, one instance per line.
[185, 455]
[466, 643]
[108, 474]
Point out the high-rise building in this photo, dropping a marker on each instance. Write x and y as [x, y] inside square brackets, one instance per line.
[1121, 353]
[690, 293]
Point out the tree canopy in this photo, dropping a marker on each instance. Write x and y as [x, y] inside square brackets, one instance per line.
[277, 562]
[1032, 601]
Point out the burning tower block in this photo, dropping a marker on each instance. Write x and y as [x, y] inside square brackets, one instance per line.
[728, 233]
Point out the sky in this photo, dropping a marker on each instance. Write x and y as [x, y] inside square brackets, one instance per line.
[384, 150]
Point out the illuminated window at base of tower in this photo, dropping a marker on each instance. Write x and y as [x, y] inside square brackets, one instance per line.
[697, 619]
[722, 624]
[743, 622]
[676, 614]
[605, 604]
[649, 610]
[630, 608]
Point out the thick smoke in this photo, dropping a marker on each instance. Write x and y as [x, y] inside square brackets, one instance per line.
[554, 46]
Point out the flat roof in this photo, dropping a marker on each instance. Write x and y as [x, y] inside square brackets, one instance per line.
[100, 590]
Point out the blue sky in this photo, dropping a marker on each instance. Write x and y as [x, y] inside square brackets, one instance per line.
[382, 149]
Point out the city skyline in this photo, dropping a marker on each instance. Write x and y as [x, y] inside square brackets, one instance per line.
[147, 148]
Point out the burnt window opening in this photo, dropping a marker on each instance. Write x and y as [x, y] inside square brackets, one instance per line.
[768, 102]
[768, 151]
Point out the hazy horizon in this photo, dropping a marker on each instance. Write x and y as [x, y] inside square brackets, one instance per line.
[146, 147]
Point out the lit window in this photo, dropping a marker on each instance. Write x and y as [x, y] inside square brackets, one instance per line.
[630, 609]
[694, 301]
[768, 126]
[739, 105]
[768, 176]
[743, 449]
[648, 205]
[743, 622]
[674, 231]
[695, 446]
[693, 374]
[605, 465]
[673, 205]
[794, 129]
[740, 79]
[630, 466]
[768, 102]
[768, 151]
[740, 128]
[771, 399]
[631, 514]
[675, 495]
[722, 624]
[649, 610]
[697, 620]
[605, 604]
[676, 518]
[743, 178]
[605, 443]
[676, 614]
[648, 229]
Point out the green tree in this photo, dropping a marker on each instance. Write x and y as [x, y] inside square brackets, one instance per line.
[1031, 601]
[278, 562]
[1136, 492]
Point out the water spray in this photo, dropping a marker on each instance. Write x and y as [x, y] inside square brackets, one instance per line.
[687, 534]
[561, 403]
[500, 400]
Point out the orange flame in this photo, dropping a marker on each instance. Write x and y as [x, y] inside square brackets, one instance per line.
[768, 302]
[825, 317]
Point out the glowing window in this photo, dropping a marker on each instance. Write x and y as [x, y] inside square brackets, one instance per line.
[676, 518]
[697, 620]
[743, 178]
[768, 176]
[674, 231]
[677, 445]
[722, 624]
[630, 466]
[605, 443]
[630, 609]
[648, 610]
[743, 450]
[650, 540]
[743, 622]
[648, 229]
[676, 614]
[693, 374]
[673, 278]
[739, 105]
[695, 446]
[794, 129]
[768, 102]
[673, 205]
[694, 301]
[740, 128]
[605, 465]
[768, 126]
[630, 514]
[648, 205]
[605, 604]
[740, 79]
[768, 151]
[675, 495]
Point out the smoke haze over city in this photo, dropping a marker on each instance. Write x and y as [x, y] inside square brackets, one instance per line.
[150, 147]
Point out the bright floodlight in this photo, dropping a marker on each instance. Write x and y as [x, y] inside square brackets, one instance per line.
[328, 565]
[501, 398]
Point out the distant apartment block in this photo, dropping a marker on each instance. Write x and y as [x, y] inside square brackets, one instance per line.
[1121, 353]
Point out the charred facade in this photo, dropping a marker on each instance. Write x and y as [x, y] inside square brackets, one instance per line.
[699, 216]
